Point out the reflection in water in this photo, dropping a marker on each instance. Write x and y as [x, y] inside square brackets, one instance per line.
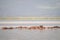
[29, 34]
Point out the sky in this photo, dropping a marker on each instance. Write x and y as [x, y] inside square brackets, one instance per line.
[29, 8]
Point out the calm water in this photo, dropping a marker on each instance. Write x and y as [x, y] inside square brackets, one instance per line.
[29, 34]
[23, 23]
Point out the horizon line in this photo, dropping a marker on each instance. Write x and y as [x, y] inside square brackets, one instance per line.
[29, 18]
[29, 22]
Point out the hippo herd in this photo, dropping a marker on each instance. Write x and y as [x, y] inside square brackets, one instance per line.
[41, 27]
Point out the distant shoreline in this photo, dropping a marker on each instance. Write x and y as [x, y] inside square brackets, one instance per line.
[29, 18]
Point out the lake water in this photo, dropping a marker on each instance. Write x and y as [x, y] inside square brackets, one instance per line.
[17, 34]
[29, 23]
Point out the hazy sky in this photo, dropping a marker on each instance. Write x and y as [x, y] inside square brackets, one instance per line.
[17, 8]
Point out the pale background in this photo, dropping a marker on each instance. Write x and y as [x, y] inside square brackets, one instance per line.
[24, 8]
[29, 8]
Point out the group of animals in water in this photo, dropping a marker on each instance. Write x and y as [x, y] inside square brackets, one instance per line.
[41, 27]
